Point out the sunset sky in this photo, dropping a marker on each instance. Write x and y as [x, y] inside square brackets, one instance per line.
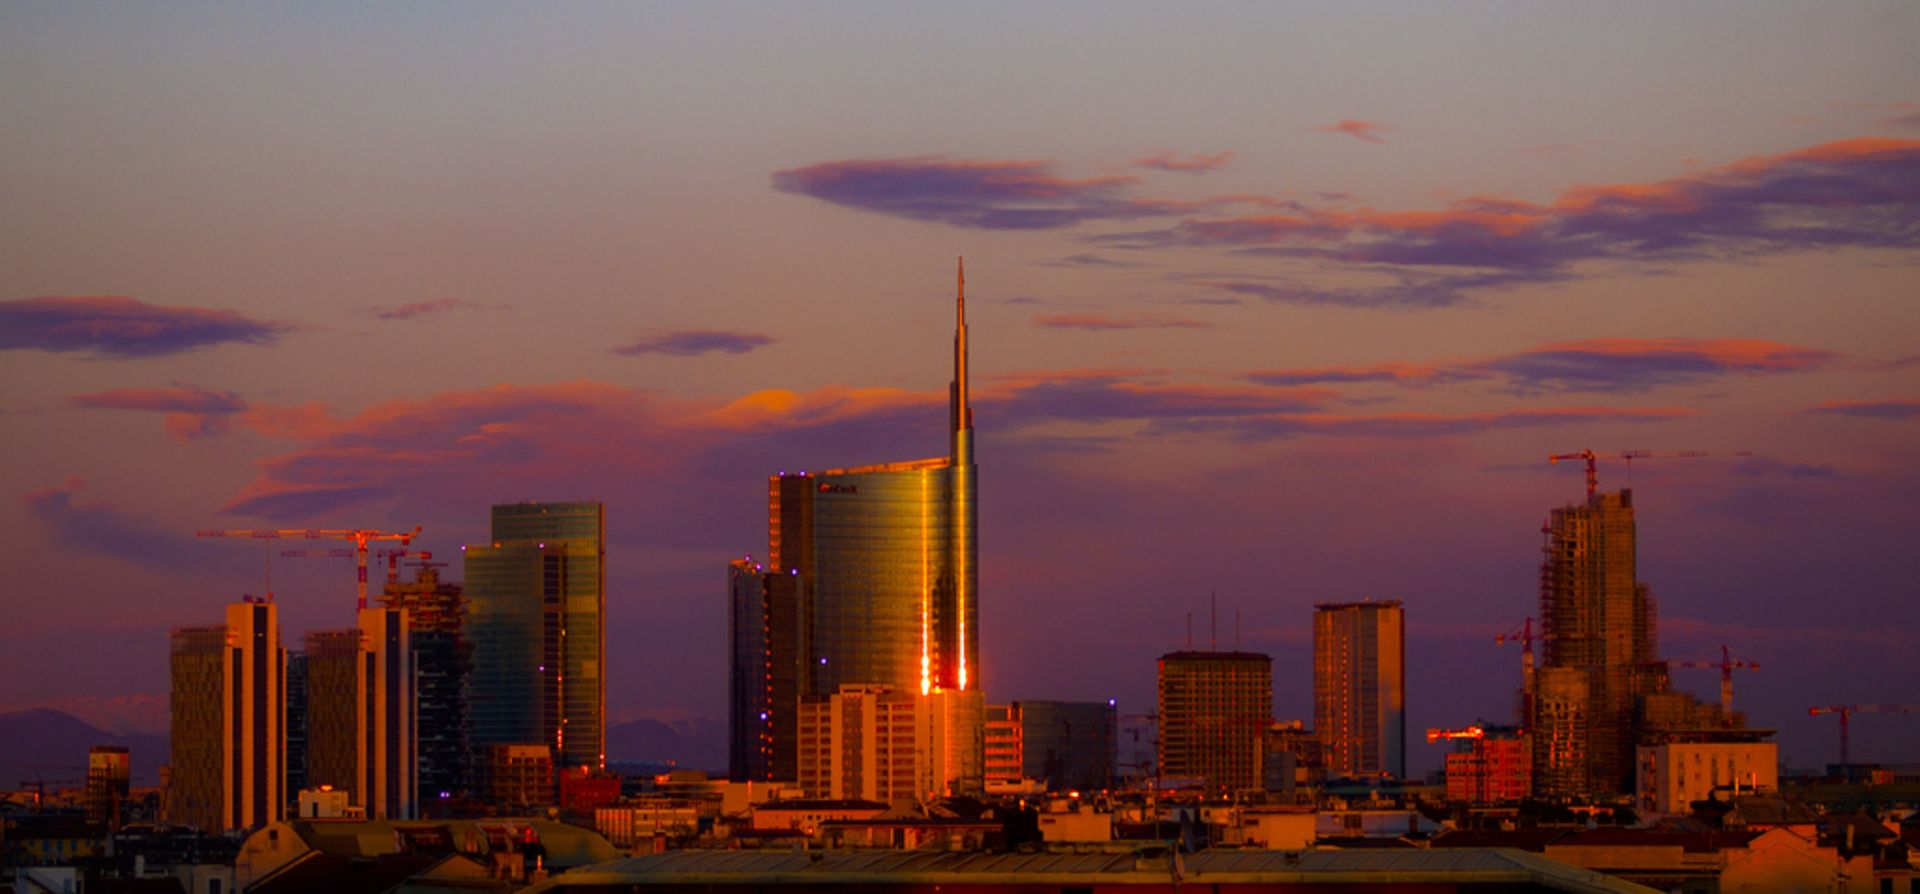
[1284, 302]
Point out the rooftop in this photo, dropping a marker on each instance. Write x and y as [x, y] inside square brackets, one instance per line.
[1090, 866]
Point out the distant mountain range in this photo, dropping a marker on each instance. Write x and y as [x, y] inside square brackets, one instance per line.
[697, 743]
[45, 744]
[53, 744]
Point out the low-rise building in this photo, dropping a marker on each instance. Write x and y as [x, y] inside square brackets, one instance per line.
[1670, 777]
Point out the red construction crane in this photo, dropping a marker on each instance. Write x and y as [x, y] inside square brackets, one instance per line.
[1846, 713]
[1475, 731]
[1591, 458]
[359, 537]
[1727, 665]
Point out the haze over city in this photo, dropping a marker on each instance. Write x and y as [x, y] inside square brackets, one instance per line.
[1283, 305]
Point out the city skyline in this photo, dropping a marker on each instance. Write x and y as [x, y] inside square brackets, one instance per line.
[1288, 288]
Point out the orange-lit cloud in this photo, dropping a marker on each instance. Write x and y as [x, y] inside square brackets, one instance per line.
[1860, 193]
[1366, 131]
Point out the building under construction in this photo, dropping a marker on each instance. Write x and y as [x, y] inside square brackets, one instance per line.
[437, 612]
[1601, 687]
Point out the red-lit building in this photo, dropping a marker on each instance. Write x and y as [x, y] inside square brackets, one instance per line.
[584, 791]
[1494, 767]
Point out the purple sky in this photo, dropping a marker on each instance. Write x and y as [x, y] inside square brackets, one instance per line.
[1285, 303]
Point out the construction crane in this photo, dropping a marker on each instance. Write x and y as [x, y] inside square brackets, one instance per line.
[1591, 458]
[1475, 731]
[1846, 713]
[1727, 665]
[1523, 635]
[38, 784]
[392, 556]
[360, 537]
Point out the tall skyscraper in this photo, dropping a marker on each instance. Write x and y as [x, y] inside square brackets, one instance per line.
[436, 615]
[536, 602]
[1360, 687]
[387, 777]
[767, 668]
[198, 671]
[228, 706]
[1598, 657]
[1214, 709]
[883, 560]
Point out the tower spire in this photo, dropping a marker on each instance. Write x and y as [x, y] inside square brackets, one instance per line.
[962, 411]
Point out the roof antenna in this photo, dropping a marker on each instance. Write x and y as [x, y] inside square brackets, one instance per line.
[1236, 628]
[1189, 630]
[1213, 621]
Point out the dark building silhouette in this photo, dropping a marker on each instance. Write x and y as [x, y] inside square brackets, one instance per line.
[331, 660]
[1067, 746]
[1215, 708]
[766, 672]
[437, 612]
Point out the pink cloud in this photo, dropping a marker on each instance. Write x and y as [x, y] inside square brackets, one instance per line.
[191, 412]
[1190, 164]
[1106, 323]
[1367, 131]
[1860, 193]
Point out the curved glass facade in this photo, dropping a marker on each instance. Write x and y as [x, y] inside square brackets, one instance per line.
[891, 597]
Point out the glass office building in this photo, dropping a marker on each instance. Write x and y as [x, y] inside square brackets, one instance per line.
[883, 567]
[536, 607]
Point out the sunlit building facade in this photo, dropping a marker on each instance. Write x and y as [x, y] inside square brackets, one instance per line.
[228, 712]
[1360, 687]
[883, 562]
[536, 602]
[881, 744]
[385, 743]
